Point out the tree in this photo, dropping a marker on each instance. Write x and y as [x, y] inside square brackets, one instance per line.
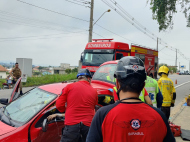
[163, 11]
[74, 70]
[40, 67]
[162, 64]
[68, 71]
[36, 73]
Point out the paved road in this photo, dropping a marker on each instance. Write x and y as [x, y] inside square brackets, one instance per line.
[180, 79]
[7, 92]
[182, 91]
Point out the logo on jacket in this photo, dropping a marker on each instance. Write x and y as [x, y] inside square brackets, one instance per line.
[135, 124]
[135, 68]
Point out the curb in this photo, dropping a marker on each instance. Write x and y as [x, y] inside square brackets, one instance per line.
[177, 110]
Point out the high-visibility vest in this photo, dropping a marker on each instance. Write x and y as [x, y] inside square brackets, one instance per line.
[141, 96]
[151, 86]
[109, 79]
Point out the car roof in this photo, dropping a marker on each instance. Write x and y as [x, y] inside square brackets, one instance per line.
[110, 62]
[55, 88]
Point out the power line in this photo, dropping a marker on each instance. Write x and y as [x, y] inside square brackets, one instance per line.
[130, 19]
[29, 22]
[5, 38]
[35, 38]
[99, 35]
[52, 11]
[139, 26]
[30, 25]
[114, 33]
[8, 14]
[83, 1]
[78, 3]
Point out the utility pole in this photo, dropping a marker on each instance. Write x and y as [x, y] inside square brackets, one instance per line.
[158, 60]
[179, 66]
[176, 59]
[91, 21]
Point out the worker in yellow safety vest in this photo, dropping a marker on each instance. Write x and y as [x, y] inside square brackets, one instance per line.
[168, 90]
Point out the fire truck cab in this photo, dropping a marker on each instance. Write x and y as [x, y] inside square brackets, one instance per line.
[103, 50]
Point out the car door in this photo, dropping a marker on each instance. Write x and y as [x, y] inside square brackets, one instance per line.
[54, 131]
[15, 94]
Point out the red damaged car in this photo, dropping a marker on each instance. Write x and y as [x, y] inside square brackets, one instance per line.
[24, 118]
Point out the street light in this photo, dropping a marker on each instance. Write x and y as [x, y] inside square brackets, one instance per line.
[91, 21]
[102, 15]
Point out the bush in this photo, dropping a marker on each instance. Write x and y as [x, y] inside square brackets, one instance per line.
[74, 70]
[37, 73]
[1, 82]
[68, 71]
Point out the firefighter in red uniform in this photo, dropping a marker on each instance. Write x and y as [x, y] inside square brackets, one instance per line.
[81, 99]
[129, 119]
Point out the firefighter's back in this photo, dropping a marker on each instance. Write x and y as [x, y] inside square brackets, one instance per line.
[166, 87]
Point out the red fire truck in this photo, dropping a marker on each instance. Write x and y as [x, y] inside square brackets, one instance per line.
[103, 50]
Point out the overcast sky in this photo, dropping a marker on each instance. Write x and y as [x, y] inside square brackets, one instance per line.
[51, 38]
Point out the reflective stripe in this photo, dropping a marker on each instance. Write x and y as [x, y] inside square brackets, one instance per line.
[166, 104]
[115, 89]
[150, 88]
[155, 105]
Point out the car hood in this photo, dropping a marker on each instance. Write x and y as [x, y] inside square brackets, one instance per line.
[4, 129]
[102, 87]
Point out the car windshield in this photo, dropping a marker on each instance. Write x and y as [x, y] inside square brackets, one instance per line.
[27, 106]
[105, 73]
[97, 57]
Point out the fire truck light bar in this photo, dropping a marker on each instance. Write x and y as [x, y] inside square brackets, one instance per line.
[102, 40]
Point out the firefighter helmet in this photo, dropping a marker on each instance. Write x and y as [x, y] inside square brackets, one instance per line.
[84, 72]
[163, 69]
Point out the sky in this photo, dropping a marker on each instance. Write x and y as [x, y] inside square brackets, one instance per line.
[51, 38]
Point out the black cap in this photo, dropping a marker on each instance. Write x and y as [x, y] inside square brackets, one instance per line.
[130, 67]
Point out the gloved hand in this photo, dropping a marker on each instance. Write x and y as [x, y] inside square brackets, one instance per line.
[111, 90]
[172, 104]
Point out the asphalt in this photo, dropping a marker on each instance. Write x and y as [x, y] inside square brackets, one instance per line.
[180, 115]
[7, 92]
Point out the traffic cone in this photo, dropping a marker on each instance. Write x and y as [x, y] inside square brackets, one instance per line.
[176, 81]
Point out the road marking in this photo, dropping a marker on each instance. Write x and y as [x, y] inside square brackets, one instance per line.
[182, 84]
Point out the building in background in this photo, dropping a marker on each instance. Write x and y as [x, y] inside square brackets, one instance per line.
[61, 69]
[3, 72]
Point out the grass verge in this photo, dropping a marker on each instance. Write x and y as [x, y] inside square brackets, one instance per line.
[48, 79]
[1, 82]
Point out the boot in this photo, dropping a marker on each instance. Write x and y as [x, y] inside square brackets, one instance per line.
[21, 93]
